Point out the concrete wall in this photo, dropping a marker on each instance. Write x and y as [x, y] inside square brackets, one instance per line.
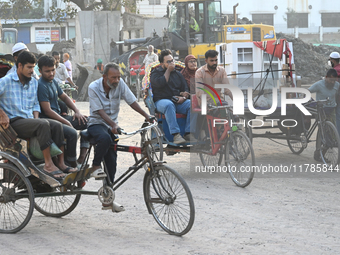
[94, 31]
[155, 24]
[314, 8]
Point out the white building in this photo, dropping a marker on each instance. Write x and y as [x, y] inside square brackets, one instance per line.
[155, 8]
[308, 15]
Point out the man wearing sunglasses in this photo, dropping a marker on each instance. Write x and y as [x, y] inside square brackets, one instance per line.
[170, 94]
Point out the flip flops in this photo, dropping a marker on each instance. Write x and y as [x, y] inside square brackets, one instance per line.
[67, 170]
[52, 174]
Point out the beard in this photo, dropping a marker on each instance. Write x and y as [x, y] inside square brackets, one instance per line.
[213, 67]
[26, 79]
[111, 85]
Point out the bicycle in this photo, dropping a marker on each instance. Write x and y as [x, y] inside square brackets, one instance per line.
[23, 186]
[224, 140]
[327, 142]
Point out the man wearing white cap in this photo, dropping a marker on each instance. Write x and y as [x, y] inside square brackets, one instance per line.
[334, 59]
[16, 50]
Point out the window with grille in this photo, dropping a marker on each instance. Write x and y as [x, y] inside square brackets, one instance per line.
[330, 19]
[295, 19]
[154, 2]
[267, 19]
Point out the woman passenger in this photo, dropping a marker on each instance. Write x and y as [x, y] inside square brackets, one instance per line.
[189, 72]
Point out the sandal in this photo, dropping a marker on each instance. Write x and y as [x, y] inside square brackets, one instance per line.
[115, 207]
[67, 170]
[52, 174]
[99, 173]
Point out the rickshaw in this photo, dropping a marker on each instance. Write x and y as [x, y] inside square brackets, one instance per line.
[214, 143]
[23, 186]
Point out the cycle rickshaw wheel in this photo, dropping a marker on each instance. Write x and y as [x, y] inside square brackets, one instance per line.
[329, 145]
[169, 200]
[239, 158]
[297, 146]
[57, 206]
[207, 158]
[16, 199]
[155, 147]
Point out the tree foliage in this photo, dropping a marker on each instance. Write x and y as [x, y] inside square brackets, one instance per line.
[23, 9]
[15, 9]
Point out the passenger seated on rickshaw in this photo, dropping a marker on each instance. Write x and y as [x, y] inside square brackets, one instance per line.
[170, 93]
[20, 108]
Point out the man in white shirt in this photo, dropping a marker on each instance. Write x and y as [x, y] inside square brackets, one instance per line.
[149, 58]
[104, 97]
[61, 74]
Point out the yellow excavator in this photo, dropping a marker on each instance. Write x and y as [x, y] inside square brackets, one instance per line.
[196, 26]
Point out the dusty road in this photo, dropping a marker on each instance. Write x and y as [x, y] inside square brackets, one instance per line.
[275, 214]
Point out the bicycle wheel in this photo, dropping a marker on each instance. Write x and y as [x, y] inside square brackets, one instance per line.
[297, 146]
[239, 158]
[16, 199]
[242, 124]
[168, 198]
[207, 158]
[154, 147]
[57, 206]
[328, 142]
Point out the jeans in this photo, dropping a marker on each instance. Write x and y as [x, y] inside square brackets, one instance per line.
[169, 109]
[71, 137]
[77, 126]
[104, 138]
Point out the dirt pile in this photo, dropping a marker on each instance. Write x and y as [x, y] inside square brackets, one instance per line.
[61, 46]
[310, 61]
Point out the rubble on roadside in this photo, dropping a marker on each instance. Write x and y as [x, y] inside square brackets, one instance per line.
[310, 61]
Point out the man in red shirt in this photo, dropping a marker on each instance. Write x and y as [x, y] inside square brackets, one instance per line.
[334, 58]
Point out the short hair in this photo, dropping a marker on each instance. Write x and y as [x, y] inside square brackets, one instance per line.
[54, 53]
[110, 65]
[332, 73]
[46, 61]
[211, 54]
[163, 54]
[67, 55]
[26, 57]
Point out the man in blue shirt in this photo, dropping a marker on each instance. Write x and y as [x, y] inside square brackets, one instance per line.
[326, 88]
[20, 108]
[48, 94]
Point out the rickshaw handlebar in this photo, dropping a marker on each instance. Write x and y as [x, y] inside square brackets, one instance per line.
[122, 132]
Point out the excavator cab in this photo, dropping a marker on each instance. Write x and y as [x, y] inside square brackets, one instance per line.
[195, 23]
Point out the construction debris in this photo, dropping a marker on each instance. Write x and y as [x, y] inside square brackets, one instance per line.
[310, 61]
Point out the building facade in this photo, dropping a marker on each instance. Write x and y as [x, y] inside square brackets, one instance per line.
[42, 32]
[307, 15]
[155, 8]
